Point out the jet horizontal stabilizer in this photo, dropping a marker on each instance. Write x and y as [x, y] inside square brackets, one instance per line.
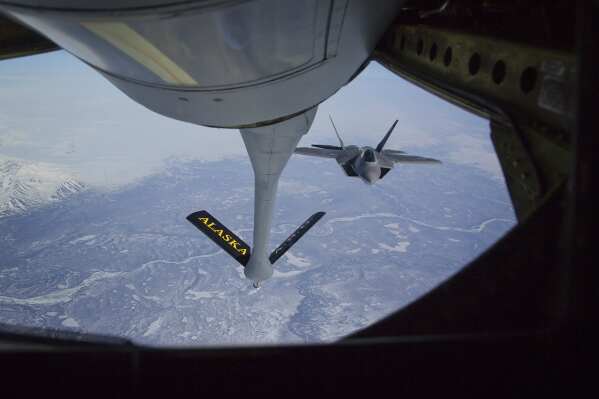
[222, 236]
[295, 236]
[327, 146]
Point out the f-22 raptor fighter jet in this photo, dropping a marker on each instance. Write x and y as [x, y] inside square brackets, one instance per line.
[370, 164]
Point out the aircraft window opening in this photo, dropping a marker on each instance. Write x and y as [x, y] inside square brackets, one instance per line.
[499, 72]
[474, 64]
[412, 226]
[433, 52]
[528, 80]
[447, 56]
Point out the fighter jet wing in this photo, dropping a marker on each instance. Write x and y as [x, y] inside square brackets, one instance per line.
[393, 152]
[399, 158]
[318, 152]
[348, 154]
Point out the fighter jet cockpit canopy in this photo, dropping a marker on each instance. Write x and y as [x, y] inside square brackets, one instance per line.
[369, 155]
[216, 63]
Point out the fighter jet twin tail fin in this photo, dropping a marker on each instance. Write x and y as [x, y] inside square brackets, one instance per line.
[235, 246]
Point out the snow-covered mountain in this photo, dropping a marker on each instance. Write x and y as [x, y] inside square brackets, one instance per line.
[125, 262]
[24, 185]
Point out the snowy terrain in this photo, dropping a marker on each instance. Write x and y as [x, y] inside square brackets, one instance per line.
[26, 185]
[127, 263]
[93, 236]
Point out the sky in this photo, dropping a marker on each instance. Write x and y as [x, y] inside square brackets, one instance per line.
[56, 109]
[57, 112]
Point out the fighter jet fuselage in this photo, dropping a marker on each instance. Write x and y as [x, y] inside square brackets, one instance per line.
[367, 163]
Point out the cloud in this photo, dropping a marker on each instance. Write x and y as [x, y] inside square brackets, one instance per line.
[10, 138]
[102, 135]
[475, 151]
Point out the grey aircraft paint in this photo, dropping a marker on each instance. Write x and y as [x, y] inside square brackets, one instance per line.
[261, 66]
[269, 147]
[369, 164]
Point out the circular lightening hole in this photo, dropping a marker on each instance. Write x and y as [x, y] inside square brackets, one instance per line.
[528, 80]
[474, 64]
[433, 52]
[447, 56]
[420, 47]
[499, 72]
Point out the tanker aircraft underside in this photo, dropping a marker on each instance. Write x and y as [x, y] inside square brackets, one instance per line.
[260, 66]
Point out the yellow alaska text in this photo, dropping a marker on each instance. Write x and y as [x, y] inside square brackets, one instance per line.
[224, 236]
